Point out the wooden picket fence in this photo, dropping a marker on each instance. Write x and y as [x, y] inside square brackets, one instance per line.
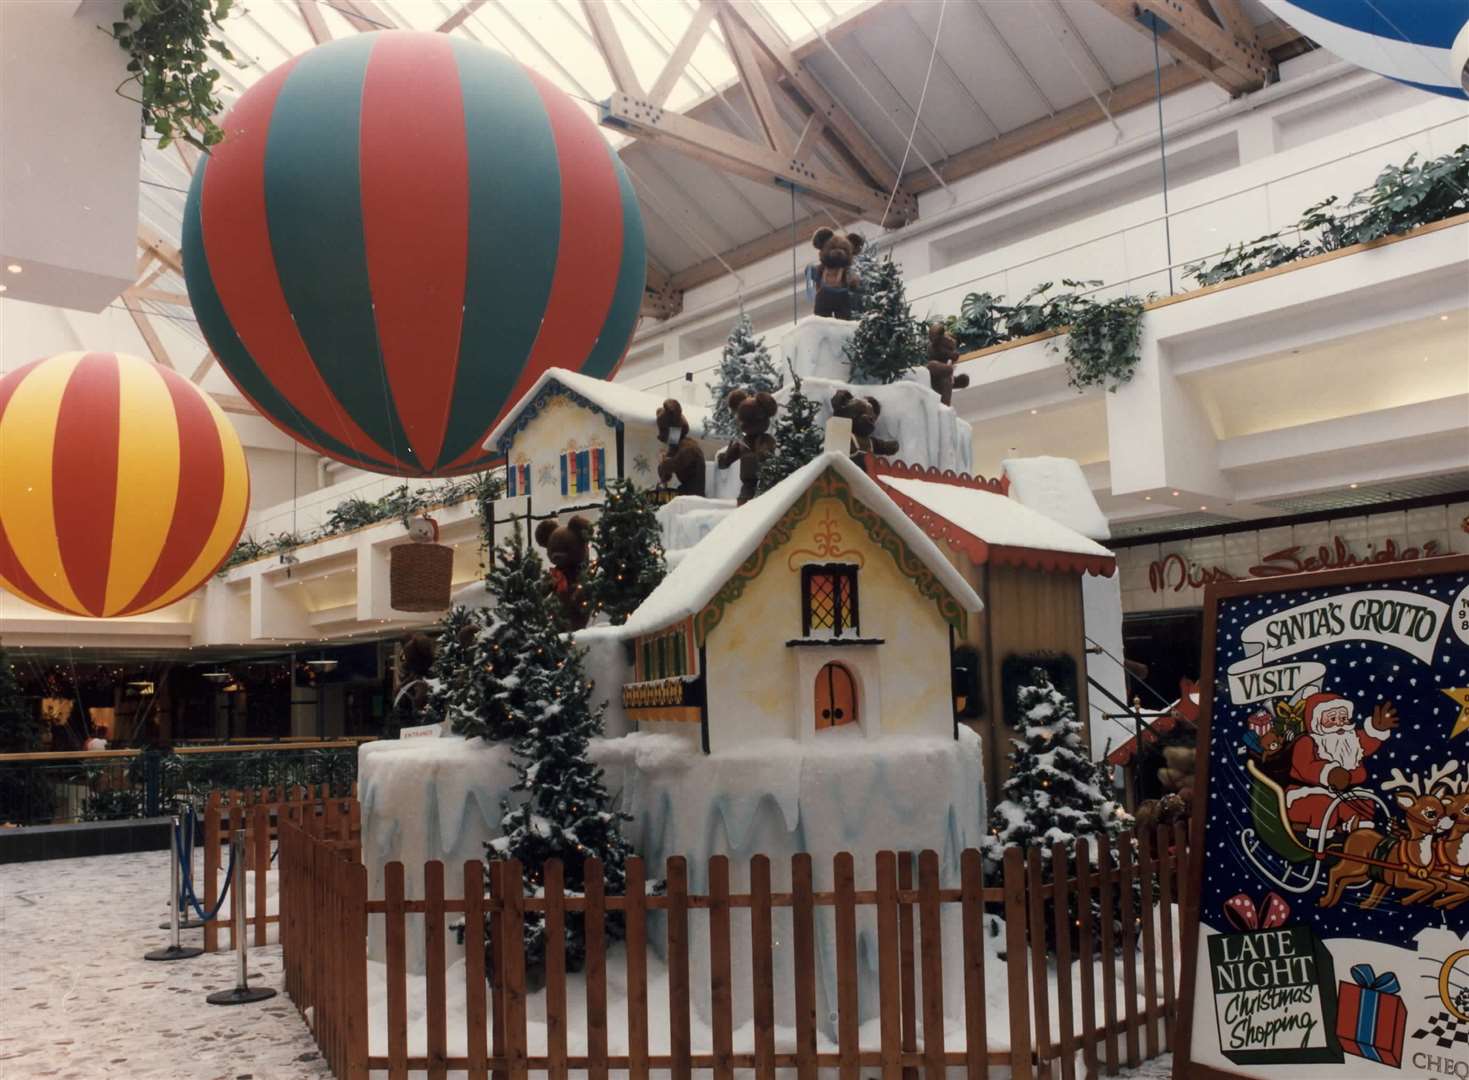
[327, 910]
[260, 812]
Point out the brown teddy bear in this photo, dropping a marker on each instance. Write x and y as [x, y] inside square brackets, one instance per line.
[753, 413]
[863, 412]
[943, 351]
[834, 275]
[683, 457]
[566, 547]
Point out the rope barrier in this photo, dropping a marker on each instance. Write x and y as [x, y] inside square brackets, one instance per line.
[185, 836]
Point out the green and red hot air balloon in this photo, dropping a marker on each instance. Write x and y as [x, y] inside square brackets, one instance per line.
[399, 233]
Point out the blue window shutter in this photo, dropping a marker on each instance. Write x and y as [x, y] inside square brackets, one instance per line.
[510, 481]
[563, 475]
[583, 464]
[599, 468]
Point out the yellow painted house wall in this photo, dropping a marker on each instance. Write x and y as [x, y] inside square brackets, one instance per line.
[542, 441]
[752, 673]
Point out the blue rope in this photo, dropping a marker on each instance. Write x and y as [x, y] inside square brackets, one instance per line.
[186, 860]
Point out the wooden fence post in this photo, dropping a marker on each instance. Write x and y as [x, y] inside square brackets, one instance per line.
[762, 966]
[721, 985]
[636, 911]
[260, 826]
[1039, 981]
[395, 937]
[931, 955]
[476, 1030]
[678, 968]
[848, 1022]
[905, 962]
[976, 1038]
[1016, 962]
[354, 931]
[1064, 925]
[890, 988]
[1150, 942]
[1106, 880]
[596, 970]
[515, 1034]
[555, 925]
[211, 869]
[436, 1017]
[1086, 950]
[803, 959]
[1125, 880]
[497, 967]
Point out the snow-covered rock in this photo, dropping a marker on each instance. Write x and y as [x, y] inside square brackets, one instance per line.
[929, 433]
[688, 519]
[816, 348]
[1057, 487]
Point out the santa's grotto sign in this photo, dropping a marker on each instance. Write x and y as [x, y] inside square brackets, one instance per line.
[1329, 913]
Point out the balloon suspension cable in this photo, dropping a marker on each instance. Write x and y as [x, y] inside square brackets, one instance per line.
[795, 270]
[1162, 149]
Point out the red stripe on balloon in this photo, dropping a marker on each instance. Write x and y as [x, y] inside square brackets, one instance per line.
[200, 485]
[84, 476]
[413, 153]
[232, 215]
[10, 566]
[586, 274]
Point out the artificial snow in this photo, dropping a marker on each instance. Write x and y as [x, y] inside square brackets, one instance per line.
[929, 433]
[816, 348]
[704, 570]
[604, 660]
[996, 519]
[617, 400]
[689, 518]
[1057, 488]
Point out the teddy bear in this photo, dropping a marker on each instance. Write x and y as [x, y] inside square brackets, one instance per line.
[683, 457]
[835, 278]
[863, 412]
[753, 413]
[943, 350]
[566, 547]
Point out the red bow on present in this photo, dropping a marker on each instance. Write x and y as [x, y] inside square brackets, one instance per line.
[1242, 913]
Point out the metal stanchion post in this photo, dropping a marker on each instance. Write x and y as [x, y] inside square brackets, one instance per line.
[174, 951]
[186, 921]
[242, 993]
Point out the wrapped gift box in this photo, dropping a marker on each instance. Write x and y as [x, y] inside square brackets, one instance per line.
[1370, 1016]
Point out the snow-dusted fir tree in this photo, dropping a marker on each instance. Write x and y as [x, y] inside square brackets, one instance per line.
[798, 437]
[629, 547]
[888, 340]
[865, 266]
[455, 680]
[1052, 795]
[745, 365]
[514, 642]
[566, 813]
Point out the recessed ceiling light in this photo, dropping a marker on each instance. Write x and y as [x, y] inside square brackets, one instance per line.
[1203, 508]
[1351, 485]
[15, 268]
[1443, 318]
[1147, 498]
[4, 287]
[1034, 411]
[1175, 494]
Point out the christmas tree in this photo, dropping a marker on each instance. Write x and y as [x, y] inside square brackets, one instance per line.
[798, 437]
[566, 813]
[865, 267]
[455, 679]
[888, 340]
[21, 731]
[1052, 795]
[745, 365]
[629, 547]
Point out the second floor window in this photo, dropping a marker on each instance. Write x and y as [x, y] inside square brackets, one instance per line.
[829, 599]
[583, 470]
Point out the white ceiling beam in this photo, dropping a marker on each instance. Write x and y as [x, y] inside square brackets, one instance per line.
[839, 128]
[609, 44]
[159, 247]
[724, 150]
[454, 21]
[753, 79]
[149, 335]
[162, 296]
[1196, 40]
[203, 367]
[1234, 20]
[678, 60]
[315, 24]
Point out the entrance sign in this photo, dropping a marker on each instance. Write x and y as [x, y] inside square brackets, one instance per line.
[1327, 923]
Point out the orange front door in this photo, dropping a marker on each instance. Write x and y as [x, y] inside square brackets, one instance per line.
[836, 697]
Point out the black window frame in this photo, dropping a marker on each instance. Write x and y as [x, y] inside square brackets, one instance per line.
[839, 572]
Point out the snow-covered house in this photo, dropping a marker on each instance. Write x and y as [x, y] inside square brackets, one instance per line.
[818, 606]
[1028, 569]
[572, 433]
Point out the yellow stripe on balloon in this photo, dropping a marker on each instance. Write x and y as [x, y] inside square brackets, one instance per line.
[148, 472]
[233, 504]
[27, 441]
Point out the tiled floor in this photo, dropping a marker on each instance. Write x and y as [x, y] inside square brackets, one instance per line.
[77, 999]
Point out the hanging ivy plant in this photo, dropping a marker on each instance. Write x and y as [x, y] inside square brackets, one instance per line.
[169, 42]
[1102, 345]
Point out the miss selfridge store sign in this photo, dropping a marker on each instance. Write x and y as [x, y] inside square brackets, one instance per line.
[1172, 574]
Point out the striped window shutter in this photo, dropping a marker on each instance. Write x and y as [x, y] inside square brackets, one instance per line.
[599, 469]
[510, 481]
[583, 466]
[564, 490]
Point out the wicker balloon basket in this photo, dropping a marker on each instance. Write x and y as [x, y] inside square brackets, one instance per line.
[420, 577]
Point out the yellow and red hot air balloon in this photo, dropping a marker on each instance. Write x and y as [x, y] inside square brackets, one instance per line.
[123, 487]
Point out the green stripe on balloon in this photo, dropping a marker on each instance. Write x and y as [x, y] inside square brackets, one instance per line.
[632, 271]
[312, 198]
[514, 231]
[236, 360]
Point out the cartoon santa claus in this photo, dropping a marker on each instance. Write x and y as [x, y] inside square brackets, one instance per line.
[1327, 760]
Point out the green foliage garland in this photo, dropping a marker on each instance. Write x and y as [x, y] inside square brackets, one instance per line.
[169, 42]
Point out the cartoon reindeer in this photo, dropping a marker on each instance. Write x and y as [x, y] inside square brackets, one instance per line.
[1395, 862]
[1451, 849]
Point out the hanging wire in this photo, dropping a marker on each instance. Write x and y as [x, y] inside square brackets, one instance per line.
[673, 220]
[1162, 151]
[918, 112]
[1085, 82]
[795, 272]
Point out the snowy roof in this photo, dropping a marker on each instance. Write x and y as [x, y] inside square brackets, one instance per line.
[621, 403]
[1057, 487]
[715, 559]
[996, 521]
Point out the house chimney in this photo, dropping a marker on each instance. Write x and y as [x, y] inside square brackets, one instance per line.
[838, 436]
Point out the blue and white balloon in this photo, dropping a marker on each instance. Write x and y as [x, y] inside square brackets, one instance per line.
[1422, 43]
